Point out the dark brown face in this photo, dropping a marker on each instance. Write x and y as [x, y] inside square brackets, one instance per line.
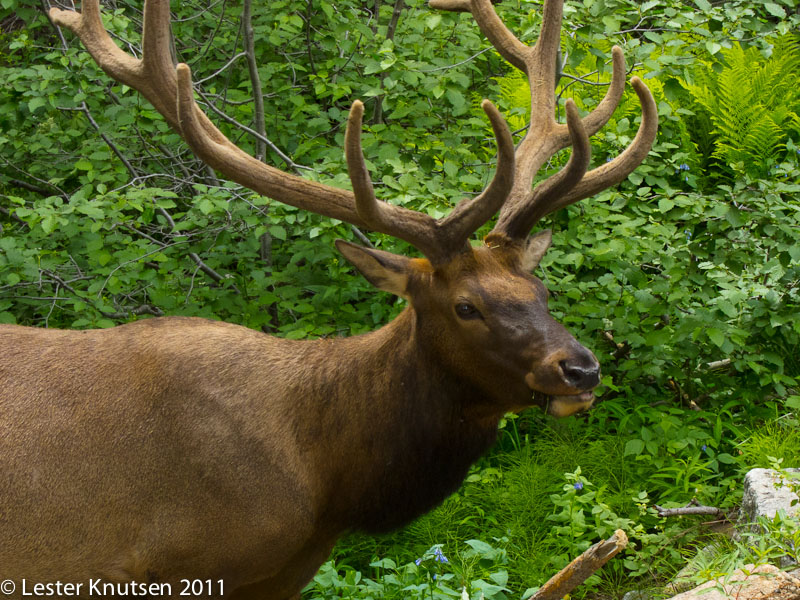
[486, 316]
[492, 324]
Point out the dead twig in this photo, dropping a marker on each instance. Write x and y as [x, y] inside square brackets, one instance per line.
[693, 508]
[718, 364]
[579, 570]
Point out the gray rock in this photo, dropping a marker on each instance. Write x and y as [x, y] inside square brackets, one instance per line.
[765, 493]
[765, 582]
[636, 595]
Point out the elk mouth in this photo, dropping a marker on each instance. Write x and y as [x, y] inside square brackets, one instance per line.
[564, 406]
[561, 405]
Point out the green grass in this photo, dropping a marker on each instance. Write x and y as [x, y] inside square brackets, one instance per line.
[521, 497]
[772, 442]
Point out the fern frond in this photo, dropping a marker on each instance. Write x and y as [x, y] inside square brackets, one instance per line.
[751, 103]
[515, 95]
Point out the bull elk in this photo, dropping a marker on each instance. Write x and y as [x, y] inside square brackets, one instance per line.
[173, 448]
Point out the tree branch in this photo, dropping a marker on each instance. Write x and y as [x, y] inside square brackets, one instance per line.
[579, 570]
[255, 79]
[693, 510]
[377, 115]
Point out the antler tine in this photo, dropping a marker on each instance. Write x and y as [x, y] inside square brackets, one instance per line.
[157, 80]
[598, 117]
[88, 26]
[451, 5]
[169, 90]
[545, 136]
[506, 43]
[616, 170]
[416, 228]
[437, 239]
[216, 150]
[521, 213]
[468, 215]
[153, 76]
[539, 60]
[516, 224]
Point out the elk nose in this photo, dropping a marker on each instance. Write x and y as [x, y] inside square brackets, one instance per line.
[581, 372]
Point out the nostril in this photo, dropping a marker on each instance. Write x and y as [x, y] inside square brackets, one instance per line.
[581, 376]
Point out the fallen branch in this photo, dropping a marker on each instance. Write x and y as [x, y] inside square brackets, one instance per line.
[691, 510]
[579, 570]
[144, 309]
[718, 364]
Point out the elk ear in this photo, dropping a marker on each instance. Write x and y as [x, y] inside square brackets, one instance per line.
[384, 270]
[535, 249]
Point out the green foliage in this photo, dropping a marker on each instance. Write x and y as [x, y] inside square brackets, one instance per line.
[551, 489]
[680, 281]
[477, 571]
[767, 541]
[747, 107]
[775, 444]
[683, 279]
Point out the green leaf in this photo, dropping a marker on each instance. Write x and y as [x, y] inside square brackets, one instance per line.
[206, 206]
[456, 99]
[35, 103]
[634, 447]
[432, 22]
[611, 24]
[728, 308]
[775, 10]
[703, 5]
[48, 224]
[715, 335]
[277, 232]
[665, 204]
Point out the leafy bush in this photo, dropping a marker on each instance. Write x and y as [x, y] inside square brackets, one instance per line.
[747, 108]
[683, 279]
[476, 572]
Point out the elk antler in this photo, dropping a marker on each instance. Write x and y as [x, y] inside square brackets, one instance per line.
[545, 137]
[169, 90]
[419, 229]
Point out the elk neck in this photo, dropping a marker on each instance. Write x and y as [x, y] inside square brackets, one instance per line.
[394, 430]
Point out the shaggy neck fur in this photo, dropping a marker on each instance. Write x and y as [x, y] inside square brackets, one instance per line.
[395, 431]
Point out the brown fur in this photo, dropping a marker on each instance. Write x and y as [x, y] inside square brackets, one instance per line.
[176, 448]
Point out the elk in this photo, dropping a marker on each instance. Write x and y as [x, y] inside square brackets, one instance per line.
[172, 449]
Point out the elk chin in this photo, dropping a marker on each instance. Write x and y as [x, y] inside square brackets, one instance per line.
[559, 405]
[564, 406]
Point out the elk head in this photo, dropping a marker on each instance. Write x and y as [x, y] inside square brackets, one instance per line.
[478, 309]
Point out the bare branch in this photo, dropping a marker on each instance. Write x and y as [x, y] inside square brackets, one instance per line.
[580, 569]
[255, 80]
[696, 510]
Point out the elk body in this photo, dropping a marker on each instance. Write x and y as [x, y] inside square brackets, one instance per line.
[179, 448]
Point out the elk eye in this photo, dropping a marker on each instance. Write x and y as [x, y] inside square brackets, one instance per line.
[465, 310]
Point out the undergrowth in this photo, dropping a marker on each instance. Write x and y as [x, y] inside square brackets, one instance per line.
[549, 489]
[684, 279]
